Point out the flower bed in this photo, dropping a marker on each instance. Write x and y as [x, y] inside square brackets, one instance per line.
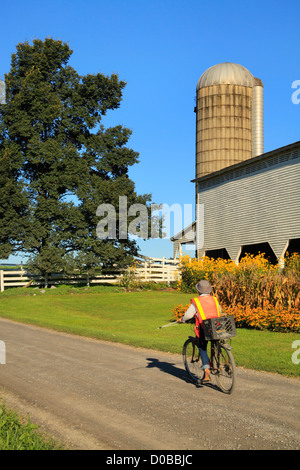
[269, 318]
[258, 294]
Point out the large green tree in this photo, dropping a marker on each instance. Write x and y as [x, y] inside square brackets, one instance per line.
[13, 206]
[61, 161]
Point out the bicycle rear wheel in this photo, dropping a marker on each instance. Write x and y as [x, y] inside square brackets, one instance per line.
[192, 360]
[224, 366]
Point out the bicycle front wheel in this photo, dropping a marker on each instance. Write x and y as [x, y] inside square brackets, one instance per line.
[225, 369]
[192, 360]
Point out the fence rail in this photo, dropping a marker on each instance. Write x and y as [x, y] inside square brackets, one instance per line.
[150, 269]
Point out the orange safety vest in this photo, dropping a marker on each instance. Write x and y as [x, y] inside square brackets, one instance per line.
[206, 307]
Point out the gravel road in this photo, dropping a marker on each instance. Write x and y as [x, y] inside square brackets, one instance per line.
[92, 394]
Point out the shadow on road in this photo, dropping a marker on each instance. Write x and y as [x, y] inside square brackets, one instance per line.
[169, 368]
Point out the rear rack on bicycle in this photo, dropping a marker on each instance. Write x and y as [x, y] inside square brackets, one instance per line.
[219, 328]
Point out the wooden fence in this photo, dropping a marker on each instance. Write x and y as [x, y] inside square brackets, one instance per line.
[150, 269]
[157, 270]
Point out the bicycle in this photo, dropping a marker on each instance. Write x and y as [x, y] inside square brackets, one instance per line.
[222, 365]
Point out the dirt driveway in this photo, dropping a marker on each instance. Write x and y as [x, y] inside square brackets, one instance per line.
[98, 395]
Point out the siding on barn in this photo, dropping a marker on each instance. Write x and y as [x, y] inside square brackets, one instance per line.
[256, 201]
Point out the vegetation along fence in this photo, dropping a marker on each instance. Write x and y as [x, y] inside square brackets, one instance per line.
[146, 270]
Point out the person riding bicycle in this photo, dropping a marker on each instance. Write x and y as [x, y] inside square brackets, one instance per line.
[202, 307]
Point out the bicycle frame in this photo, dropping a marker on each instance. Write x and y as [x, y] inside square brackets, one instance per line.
[222, 364]
[215, 352]
[214, 344]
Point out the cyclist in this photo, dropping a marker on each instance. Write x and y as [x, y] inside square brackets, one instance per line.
[202, 307]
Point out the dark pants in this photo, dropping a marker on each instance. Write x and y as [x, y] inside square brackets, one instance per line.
[202, 345]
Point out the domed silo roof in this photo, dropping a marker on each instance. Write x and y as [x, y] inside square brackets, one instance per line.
[226, 73]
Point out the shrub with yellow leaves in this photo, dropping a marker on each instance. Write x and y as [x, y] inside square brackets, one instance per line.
[258, 294]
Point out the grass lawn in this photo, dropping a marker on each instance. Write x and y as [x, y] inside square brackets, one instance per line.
[17, 434]
[112, 314]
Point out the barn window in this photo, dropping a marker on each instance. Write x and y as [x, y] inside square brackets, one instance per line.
[293, 247]
[258, 248]
[220, 253]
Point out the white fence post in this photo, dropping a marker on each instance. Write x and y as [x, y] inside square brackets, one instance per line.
[1, 281]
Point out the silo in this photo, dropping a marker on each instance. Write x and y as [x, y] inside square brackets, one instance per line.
[229, 117]
[257, 118]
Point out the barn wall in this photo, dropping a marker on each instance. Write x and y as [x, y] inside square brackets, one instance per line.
[256, 202]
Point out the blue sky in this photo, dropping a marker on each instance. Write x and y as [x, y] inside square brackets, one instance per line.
[161, 48]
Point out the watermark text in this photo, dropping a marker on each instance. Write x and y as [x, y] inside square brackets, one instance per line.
[296, 354]
[2, 353]
[155, 221]
[296, 93]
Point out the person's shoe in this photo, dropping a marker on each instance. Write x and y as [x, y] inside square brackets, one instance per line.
[206, 378]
